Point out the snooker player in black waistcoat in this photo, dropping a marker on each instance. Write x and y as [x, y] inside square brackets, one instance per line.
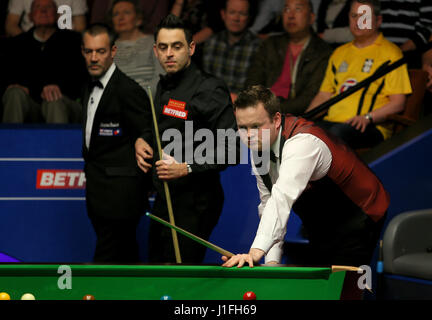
[116, 111]
[187, 99]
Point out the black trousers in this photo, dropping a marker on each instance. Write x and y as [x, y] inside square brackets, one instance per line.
[116, 239]
[196, 213]
[355, 248]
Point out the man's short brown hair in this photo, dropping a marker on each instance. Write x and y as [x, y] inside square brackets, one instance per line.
[96, 29]
[253, 95]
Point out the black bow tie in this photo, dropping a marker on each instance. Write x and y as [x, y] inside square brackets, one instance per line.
[96, 83]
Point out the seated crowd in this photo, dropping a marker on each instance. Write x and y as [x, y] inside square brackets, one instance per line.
[306, 52]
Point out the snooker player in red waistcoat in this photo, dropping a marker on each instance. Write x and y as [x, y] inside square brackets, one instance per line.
[340, 201]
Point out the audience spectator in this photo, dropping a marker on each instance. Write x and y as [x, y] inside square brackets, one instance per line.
[333, 23]
[152, 12]
[135, 55]
[360, 118]
[407, 23]
[45, 70]
[292, 64]
[269, 17]
[228, 53]
[18, 19]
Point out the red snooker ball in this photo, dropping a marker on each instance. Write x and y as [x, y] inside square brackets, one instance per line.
[88, 297]
[249, 296]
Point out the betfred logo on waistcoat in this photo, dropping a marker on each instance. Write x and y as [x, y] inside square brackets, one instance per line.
[60, 179]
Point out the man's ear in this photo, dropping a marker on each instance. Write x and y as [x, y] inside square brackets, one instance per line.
[379, 20]
[277, 119]
[223, 14]
[312, 18]
[192, 46]
[113, 51]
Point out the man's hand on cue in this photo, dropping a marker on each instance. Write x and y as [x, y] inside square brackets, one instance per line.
[239, 260]
[143, 152]
[170, 169]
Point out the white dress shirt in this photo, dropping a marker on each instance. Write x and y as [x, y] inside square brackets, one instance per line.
[94, 100]
[305, 158]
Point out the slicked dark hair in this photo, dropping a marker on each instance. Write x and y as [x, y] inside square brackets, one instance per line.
[171, 21]
[100, 28]
[253, 95]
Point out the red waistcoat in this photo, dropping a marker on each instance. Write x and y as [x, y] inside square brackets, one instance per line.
[347, 171]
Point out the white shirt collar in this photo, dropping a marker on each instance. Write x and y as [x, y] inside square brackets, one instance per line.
[275, 147]
[107, 76]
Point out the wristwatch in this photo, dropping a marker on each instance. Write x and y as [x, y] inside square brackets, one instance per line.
[189, 168]
[369, 117]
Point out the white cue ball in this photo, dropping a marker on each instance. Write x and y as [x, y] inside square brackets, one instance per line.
[28, 296]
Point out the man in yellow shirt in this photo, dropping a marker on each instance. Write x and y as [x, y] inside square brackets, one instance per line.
[360, 118]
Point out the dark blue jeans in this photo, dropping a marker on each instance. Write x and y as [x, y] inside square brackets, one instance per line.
[353, 137]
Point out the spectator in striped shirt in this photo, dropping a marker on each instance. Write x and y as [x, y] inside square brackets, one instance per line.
[228, 53]
[408, 23]
[135, 55]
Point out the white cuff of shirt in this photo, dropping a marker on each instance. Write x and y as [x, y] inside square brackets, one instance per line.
[262, 242]
[275, 253]
[273, 250]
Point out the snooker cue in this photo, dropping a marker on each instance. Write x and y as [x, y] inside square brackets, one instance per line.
[349, 268]
[165, 183]
[192, 236]
[380, 72]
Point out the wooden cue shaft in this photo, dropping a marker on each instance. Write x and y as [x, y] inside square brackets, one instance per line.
[348, 268]
[344, 268]
[192, 236]
[165, 184]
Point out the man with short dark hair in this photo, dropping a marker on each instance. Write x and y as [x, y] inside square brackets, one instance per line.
[44, 71]
[116, 113]
[187, 102]
[340, 201]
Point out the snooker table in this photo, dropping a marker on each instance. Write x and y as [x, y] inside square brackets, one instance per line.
[180, 282]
